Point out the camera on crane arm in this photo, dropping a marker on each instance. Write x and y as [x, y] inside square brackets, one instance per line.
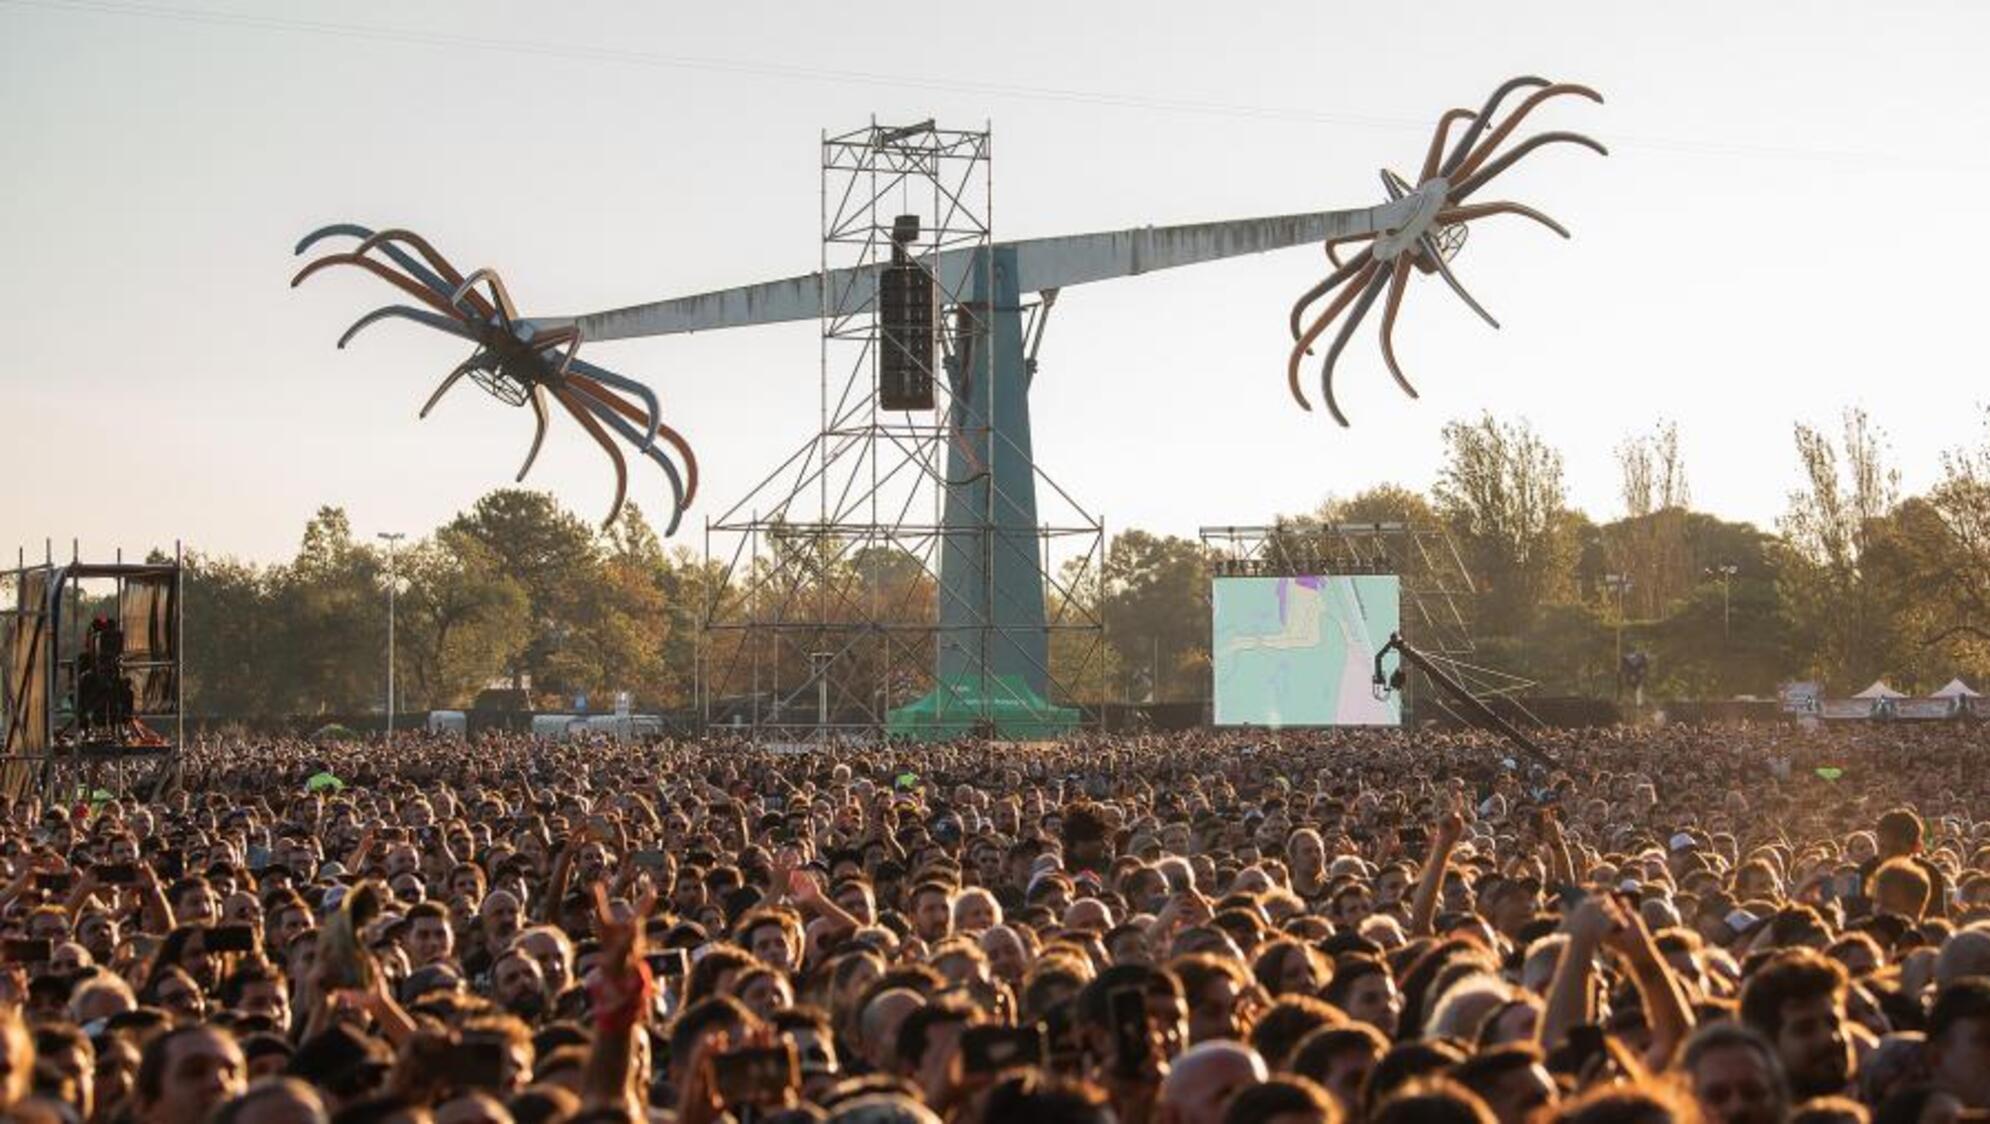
[1386, 682]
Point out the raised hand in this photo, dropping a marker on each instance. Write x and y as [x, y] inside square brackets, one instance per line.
[803, 887]
[1451, 826]
[1594, 920]
[1628, 938]
[621, 941]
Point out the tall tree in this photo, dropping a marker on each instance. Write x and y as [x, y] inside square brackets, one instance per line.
[1501, 491]
[1084, 668]
[1157, 613]
[1649, 545]
[550, 553]
[1381, 503]
[1957, 575]
[1848, 489]
[232, 637]
[331, 607]
[462, 619]
[621, 625]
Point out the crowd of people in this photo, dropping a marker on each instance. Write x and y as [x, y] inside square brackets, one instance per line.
[1737, 925]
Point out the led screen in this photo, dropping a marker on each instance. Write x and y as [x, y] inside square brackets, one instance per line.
[1300, 651]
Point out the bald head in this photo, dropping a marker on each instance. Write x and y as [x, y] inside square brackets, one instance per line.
[1008, 956]
[1089, 915]
[1204, 1078]
[880, 1021]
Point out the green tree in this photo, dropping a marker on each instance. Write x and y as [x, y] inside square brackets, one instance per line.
[1382, 503]
[621, 626]
[1703, 646]
[1838, 618]
[1649, 545]
[1084, 669]
[553, 555]
[1156, 612]
[1953, 563]
[1500, 490]
[461, 620]
[327, 648]
[1567, 648]
[231, 637]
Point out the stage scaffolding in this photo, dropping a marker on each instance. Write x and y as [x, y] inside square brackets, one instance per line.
[822, 610]
[94, 696]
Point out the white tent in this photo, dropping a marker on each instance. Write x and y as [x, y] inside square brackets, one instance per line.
[1879, 690]
[1957, 689]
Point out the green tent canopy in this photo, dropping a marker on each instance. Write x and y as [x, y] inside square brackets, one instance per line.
[956, 709]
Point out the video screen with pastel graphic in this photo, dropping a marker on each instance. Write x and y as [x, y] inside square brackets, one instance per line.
[1300, 651]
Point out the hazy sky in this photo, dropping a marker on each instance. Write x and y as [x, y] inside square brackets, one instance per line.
[1792, 221]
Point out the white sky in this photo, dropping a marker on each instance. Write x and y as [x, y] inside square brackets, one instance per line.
[1791, 222]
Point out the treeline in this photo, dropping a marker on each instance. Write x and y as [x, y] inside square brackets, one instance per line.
[1855, 582]
[515, 591]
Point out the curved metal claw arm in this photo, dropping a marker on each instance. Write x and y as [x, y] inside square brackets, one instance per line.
[1482, 210]
[651, 402]
[1300, 349]
[1471, 138]
[505, 307]
[1438, 138]
[538, 401]
[404, 283]
[1343, 240]
[633, 436]
[552, 338]
[1323, 288]
[1397, 281]
[402, 311]
[1480, 154]
[450, 277]
[671, 436]
[478, 359]
[600, 436]
[1485, 175]
[1368, 294]
[1444, 269]
[331, 230]
[401, 258]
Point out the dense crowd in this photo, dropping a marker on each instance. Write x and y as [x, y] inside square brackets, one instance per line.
[1662, 924]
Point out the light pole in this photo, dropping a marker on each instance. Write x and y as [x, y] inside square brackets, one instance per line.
[390, 538]
[1619, 584]
[1725, 572]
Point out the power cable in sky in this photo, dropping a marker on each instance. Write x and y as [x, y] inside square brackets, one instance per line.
[581, 52]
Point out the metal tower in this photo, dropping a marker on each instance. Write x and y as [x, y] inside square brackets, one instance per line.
[890, 575]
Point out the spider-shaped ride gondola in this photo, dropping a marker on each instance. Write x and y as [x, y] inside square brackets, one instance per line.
[512, 361]
[1429, 237]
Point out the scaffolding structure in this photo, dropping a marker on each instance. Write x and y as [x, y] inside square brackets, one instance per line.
[94, 695]
[858, 581]
[1435, 586]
